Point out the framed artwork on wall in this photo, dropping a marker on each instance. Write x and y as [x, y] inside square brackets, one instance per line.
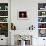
[22, 15]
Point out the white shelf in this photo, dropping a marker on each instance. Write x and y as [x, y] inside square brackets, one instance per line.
[41, 22]
[3, 10]
[3, 16]
[42, 16]
[41, 10]
[41, 28]
[3, 22]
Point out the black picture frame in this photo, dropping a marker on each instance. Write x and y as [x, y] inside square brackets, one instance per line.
[22, 14]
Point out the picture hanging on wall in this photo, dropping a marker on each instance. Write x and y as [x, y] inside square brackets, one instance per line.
[22, 15]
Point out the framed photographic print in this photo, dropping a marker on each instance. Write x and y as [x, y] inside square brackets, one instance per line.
[22, 15]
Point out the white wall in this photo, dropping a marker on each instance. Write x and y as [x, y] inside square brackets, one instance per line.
[24, 5]
[31, 6]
